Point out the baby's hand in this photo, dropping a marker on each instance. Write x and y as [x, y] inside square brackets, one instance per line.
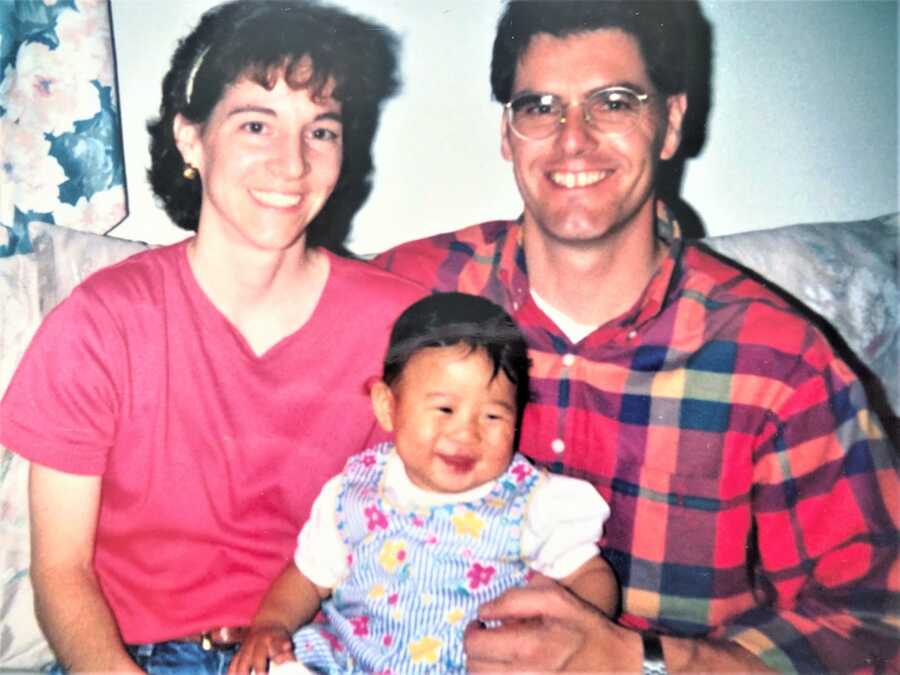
[263, 644]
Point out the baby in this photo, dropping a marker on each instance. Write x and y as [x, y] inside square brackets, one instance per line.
[403, 546]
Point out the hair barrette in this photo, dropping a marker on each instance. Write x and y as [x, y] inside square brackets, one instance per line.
[189, 87]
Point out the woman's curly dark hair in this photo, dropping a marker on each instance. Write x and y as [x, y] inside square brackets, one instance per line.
[265, 41]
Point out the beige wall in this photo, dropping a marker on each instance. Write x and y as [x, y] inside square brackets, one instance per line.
[803, 124]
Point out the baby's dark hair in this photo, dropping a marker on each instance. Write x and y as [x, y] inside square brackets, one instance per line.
[447, 319]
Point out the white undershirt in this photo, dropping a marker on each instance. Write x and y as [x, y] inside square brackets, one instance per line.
[575, 331]
[560, 528]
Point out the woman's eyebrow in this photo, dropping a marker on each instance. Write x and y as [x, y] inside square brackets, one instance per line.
[262, 110]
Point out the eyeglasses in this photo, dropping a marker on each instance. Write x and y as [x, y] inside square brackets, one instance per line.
[612, 111]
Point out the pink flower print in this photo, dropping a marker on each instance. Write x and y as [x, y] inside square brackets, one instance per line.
[431, 538]
[392, 599]
[388, 640]
[368, 459]
[521, 472]
[349, 559]
[360, 625]
[480, 575]
[376, 518]
[332, 640]
[418, 521]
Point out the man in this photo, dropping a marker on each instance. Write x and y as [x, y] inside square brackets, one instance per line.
[753, 496]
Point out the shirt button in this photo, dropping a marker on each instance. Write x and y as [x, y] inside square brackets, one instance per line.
[558, 445]
[568, 360]
[632, 335]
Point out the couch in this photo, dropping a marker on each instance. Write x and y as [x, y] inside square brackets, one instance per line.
[844, 274]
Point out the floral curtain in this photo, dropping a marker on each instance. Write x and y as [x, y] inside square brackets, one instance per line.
[60, 140]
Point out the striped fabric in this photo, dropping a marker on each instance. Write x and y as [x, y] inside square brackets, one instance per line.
[753, 495]
[416, 578]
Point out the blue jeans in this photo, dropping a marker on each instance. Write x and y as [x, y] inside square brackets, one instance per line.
[176, 658]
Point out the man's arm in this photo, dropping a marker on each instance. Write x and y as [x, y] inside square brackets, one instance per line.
[69, 603]
[825, 504]
[582, 638]
[595, 583]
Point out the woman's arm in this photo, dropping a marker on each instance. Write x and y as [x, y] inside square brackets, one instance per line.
[291, 601]
[69, 603]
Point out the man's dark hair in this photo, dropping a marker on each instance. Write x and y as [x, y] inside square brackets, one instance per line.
[448, 319]
[265, 40]
[655, 24]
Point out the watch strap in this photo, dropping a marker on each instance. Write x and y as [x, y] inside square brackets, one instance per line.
[654, 661]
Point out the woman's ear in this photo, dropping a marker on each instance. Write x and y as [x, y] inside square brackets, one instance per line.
[187, 140]
[383, 404]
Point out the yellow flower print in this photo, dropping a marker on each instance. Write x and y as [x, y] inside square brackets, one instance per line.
[468, 522]
[454, 616]
[392, 554]
[377, 591]
[426, 650]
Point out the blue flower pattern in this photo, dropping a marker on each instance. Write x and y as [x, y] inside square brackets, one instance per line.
[60, 142]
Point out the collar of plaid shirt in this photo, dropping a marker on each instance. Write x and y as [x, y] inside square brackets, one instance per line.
[513, 275]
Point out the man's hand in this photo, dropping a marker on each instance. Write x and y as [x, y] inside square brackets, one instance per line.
[263, 644]
[547, 628]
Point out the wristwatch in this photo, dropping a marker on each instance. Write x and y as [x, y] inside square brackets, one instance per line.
[654, 662]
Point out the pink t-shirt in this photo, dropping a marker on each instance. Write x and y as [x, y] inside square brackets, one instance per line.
[211, 456]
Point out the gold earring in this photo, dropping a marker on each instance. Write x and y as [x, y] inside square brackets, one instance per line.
[189, 172]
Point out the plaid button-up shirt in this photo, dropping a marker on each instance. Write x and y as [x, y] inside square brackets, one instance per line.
[753, 495]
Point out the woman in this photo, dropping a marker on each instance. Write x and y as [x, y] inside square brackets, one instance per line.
[170, 404]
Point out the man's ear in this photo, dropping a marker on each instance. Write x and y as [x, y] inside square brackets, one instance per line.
[676, 106]
[505, 149]
[187, 139]
[383, 405]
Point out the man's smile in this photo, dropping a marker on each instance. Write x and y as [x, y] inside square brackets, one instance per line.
[573, 179]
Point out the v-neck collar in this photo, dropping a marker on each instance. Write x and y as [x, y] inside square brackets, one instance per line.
[206, 305]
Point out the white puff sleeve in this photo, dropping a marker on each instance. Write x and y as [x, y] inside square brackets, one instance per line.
[321, 555]
[562, 525]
